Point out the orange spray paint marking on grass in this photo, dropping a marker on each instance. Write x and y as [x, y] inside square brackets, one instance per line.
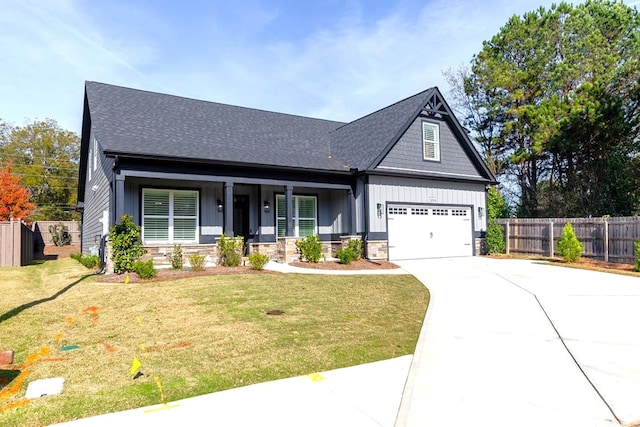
[93, 310]
[15, 405]
[14, 386]
[107, 347]
[69, 319]
[58, 337]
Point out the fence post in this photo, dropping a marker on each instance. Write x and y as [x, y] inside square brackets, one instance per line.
[551, 238]
[606, 240]
[506, 234]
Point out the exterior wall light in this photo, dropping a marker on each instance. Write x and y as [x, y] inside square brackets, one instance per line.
[380, 209]
[480, 212]
[220, 205]
[267, 206]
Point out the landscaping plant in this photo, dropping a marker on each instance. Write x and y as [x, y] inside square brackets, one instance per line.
[89, 261]
[258, 261]
[145, 269]
[231, 249]
[569, 247]
[60, 234]
[177, 261]
[356, 247]
[310, 248]
[126, 244]
[346, 255]
[495, 238]
[197, 262]
[636, 266]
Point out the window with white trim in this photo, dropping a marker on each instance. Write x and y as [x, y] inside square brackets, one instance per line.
[305, 216]
[169, 216]
[95, 154]
[431, 141]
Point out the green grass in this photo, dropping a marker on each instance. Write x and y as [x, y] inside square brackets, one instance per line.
[196, 335]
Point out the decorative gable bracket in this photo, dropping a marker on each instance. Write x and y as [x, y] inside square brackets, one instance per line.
[435, 106]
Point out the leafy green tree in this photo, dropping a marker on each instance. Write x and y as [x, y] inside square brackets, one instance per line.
[556, 93]
[45, 157]
[497, 207]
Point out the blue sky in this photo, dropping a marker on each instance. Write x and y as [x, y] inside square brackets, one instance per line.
[333, 59]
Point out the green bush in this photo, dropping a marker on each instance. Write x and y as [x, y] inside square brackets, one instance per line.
[569, 247]
[60, 234]
[495, 238]
[145, 269]
[177, 260]
[310, 248]
[197, 262]
[231, 249]
[258, 261]
[356, 246]
[346, 255]
[89, 261]
[636, 266]
[126, 244]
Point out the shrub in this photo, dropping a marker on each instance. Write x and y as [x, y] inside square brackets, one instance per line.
[177, 261]
[231, 249]
[356, 246]
[145, 269]
[569, 247]
[89, 261]
[60, 234]
[258, 261]
[197, 262]
[310, 248]
[495, 238]
[126, 244]
[346, 255]
[636, 267]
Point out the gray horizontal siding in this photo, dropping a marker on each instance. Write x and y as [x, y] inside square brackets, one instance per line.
[96, 201]
[408, 154]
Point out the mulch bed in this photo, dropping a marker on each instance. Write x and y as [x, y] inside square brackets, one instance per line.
[361, 264]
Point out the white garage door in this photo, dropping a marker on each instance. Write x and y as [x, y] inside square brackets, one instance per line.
[428, 231]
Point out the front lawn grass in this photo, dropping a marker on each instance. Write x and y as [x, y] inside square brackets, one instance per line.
[194, 336]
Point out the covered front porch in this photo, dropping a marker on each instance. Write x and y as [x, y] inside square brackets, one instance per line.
[269, 213]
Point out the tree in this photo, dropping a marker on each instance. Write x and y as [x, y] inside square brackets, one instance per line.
[14, 199]
[45, 157]
[556, 93]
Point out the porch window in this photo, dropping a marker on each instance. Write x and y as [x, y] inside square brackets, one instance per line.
[305, 217]
[169, 216]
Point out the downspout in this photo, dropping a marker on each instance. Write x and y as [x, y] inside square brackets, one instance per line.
[103, 255]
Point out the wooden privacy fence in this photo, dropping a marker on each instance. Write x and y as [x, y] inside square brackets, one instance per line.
[16, 244]
[608, 239]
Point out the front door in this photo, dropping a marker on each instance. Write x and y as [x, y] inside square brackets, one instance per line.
[241, 216]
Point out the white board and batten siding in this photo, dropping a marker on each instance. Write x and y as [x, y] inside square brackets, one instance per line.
[441, 218]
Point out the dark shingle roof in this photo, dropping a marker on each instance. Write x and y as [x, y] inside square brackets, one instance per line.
[136, 122]
[360, 142]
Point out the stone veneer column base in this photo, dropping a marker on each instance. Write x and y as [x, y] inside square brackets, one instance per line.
[377, 249]
[287, 249]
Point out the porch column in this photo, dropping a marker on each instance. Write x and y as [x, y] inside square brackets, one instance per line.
[288, 201]
[228, 208]
[119, 198]
[352, 213]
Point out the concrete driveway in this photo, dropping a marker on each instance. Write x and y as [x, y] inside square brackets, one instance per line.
[520, 343]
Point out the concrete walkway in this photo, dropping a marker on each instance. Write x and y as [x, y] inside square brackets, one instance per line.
[490, 351]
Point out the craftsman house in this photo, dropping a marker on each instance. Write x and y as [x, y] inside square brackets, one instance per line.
[405, 179]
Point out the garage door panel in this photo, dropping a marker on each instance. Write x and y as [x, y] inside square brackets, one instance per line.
[428, 231]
